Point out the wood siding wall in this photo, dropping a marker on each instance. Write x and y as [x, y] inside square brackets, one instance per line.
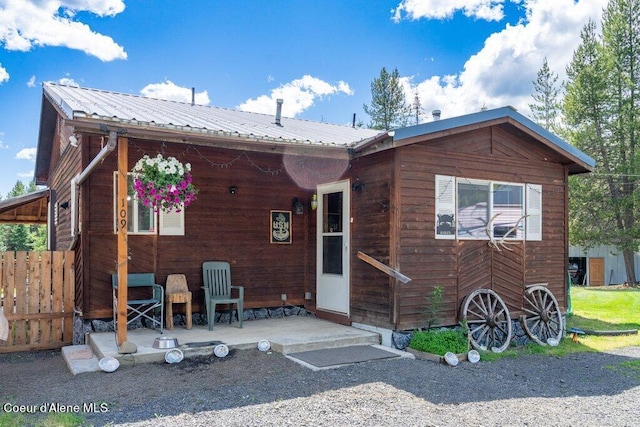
[461, 266]
[371, 209]
[68, 165]
[218, 226]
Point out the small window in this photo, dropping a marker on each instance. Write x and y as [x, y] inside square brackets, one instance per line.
[479, 209]
[508, 211]
[473, 208]
[141, 219]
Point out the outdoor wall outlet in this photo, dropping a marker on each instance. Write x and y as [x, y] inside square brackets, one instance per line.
[307, 295]
[283, 297]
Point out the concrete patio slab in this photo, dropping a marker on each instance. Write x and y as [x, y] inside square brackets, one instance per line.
[286, 335]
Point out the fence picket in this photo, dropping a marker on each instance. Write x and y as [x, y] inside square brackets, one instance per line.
[37, 293]
[21, 286]
[45, 295]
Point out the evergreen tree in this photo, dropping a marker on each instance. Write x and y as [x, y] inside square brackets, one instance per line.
[389, 108]
[546, 108]
[600, 107]
[22, 237]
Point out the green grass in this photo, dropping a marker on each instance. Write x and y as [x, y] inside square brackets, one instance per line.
[594, 309]
[602, 309]
[51, 420]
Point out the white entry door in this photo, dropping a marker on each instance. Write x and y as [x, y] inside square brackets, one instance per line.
[332, 271]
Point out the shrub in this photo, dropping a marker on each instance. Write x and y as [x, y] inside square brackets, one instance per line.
[440, 341]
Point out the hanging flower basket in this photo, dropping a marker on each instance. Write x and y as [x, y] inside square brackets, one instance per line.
[164, 184]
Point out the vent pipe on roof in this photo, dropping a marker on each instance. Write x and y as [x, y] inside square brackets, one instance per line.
[353, 121]
[193, 96]
[279, 111]
[436, 115]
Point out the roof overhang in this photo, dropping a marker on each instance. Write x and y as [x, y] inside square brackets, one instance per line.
[28, 209]
[576, 161]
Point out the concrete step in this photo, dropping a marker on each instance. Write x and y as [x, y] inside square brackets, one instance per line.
[296, 345]
[80, 358]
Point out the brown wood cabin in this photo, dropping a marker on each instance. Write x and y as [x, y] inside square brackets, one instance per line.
[378, 193]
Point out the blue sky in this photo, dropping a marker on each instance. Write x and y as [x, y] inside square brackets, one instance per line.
[319, 56]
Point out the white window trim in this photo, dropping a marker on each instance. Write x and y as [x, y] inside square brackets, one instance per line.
[115, 213]
[446, 202]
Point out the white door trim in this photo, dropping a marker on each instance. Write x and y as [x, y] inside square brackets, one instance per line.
[333, 290]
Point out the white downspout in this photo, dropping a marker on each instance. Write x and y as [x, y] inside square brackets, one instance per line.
[112, 143]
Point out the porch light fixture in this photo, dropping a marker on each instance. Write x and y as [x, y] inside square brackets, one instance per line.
[357, 186]
[314, 202]
[297, 206]
[233, 189]
[74, 140]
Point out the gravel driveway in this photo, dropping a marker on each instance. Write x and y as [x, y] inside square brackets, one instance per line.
[251, 388]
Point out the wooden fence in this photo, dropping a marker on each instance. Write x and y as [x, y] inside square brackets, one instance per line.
[37, 295]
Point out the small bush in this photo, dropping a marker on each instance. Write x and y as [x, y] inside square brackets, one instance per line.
[440, 341]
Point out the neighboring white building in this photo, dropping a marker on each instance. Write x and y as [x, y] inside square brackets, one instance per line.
[601, 265]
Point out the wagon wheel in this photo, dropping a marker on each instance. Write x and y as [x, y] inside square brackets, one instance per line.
[541, 317]
[488, 320]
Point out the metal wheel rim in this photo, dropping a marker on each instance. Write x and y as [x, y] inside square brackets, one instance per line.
[541, 318]
[488, 320]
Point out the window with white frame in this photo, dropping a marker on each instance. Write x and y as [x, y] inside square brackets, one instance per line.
[481, 209]
[142, 219]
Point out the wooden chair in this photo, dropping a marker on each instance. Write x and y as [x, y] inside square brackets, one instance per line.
[177, 291]
[216, 276]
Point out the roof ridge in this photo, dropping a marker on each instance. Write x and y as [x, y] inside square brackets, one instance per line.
[118, 93]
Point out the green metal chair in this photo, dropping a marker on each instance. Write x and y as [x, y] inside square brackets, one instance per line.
[217, 290]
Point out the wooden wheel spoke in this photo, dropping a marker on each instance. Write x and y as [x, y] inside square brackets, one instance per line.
[488, 316]
[502, 327]
[484, 307]
[541, 318]
[532, 312]
[535, 316]
[478, 315]
[473, 331]
[483, 333]
[494, 304]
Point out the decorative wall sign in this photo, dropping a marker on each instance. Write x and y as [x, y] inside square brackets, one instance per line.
[280, 226]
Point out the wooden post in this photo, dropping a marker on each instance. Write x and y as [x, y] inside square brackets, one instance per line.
[123, 249]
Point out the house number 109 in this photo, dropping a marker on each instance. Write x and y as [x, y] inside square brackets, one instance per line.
[123, 215]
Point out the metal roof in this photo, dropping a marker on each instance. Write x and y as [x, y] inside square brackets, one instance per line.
[495, 114]
[127, 110]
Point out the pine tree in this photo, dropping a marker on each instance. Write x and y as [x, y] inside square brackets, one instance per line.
[600, 108]
[546, 108]
[22, 237]
[389, 108]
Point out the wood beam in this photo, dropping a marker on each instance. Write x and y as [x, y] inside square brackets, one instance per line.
[123, 226]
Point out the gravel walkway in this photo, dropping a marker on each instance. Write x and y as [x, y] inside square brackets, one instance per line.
[251, 388]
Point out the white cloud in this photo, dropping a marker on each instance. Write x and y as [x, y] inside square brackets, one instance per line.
[489, 10]
[25, 24]
[298, 96]
[4, 75]
[28, 174]
[172, 92]
[31, 82]
[27, 154]
[68, 81]
[503, 71]
[2, 144]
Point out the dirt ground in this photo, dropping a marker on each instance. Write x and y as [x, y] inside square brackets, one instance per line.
[250, 387]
